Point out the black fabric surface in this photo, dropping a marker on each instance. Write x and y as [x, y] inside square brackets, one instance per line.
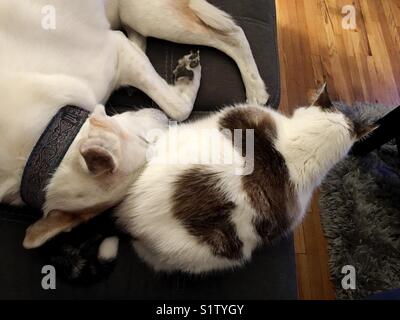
[272, 272]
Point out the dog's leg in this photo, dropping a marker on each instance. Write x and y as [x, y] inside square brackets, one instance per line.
[200, 23]
[135, 69]
[137, 38]
[112, 13]
[112, 8]
[141, 42]
[238, 48]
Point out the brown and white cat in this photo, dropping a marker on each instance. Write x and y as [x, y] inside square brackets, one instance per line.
[196, 217]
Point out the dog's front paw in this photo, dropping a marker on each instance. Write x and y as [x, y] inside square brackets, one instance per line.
[188, 68]
[187, 83]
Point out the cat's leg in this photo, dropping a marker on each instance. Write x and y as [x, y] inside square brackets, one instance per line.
[200, 23]
[135, 69]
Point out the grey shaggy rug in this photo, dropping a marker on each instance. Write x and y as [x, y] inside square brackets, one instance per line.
[360, 213]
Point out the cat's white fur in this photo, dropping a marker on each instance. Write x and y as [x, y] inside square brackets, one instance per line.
[80, 63]
[311, 142]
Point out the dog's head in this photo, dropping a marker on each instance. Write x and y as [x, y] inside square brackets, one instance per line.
[96, 171]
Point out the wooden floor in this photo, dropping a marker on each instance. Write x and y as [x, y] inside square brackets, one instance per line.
[358, 65]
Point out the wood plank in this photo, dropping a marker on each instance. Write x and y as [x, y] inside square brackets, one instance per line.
[323, 257]
[358, 65]
[300, 246]
[305, 289]
[317, 258]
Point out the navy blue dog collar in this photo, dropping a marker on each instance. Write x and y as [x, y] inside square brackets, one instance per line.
[48, 153]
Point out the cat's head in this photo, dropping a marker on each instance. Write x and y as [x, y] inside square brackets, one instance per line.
[318, 136]
[360, 126]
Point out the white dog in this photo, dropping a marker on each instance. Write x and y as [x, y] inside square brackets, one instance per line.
[80, 62]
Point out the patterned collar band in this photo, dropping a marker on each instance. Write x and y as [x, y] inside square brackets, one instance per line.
[49, 152]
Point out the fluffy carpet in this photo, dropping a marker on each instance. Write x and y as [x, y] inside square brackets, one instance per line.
[360, 213]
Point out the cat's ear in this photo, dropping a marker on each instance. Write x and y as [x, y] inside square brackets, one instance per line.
[322, 98]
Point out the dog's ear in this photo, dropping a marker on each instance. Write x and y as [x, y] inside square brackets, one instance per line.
[48, 227]
[56, 222]
[322, 99]
[100, 121]
[99, 111]
[101, 149]
[98, 157]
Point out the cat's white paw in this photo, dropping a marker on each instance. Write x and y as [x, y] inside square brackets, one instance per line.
[108, 249]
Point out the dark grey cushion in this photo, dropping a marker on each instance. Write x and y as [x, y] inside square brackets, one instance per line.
[271, 274]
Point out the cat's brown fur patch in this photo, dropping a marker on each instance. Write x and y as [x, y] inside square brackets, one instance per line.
[206, 212]
[268, 187]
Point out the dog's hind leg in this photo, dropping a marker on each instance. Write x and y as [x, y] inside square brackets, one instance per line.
[200, 23]
[112, 9]
[112, 13]
[137, 38]
[135, 69]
